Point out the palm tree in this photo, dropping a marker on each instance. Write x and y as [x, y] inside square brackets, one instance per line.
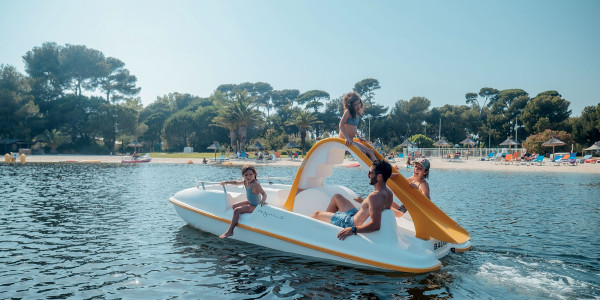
[224, 121]
[240, 111]
[52, 138]
[303, 120]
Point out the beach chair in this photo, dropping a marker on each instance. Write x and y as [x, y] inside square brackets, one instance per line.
[583, 159]
[539, 160]
[507, 159]
[572, 160]
[490, 156]
[498, 158]
[559, 160]
[516, 158]
[278, 155]
[457, 158]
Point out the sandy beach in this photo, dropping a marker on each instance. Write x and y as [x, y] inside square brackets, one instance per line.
[436, 163]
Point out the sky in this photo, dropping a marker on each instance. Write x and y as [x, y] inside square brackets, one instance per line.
[440, 50]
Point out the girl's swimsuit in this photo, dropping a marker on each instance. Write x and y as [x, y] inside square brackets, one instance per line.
[252, 197]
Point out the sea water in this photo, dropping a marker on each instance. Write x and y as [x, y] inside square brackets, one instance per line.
[108, 231]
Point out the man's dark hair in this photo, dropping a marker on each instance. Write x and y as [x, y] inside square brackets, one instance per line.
[384, 168]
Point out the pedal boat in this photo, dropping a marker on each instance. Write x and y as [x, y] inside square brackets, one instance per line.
[134, 160]
[412, 243]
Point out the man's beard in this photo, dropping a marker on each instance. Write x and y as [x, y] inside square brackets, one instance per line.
[373, 180]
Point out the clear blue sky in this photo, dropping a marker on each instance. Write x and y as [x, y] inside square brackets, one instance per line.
[436, 49]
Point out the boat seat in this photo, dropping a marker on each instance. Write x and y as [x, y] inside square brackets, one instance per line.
[318, 198]
[233, 198]
[388, 232]
[276, 197]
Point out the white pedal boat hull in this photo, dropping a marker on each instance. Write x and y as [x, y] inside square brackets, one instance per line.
[393, 248]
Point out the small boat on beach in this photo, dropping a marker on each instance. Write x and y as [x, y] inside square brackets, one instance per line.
[139, 159]
[414, 242]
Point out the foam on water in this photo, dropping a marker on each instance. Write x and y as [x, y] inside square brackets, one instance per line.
[530, 282]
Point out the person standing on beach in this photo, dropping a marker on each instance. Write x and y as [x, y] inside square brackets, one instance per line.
[254, 191]
[353, 109]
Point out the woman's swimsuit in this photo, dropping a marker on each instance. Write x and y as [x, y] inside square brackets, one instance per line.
[252, 197]
[353, 121]
[402, 207]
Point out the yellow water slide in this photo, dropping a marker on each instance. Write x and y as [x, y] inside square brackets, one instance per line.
[429, 220]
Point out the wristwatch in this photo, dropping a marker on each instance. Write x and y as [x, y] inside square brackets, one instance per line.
[354, 230]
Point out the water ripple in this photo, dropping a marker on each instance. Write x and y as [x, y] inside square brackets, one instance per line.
[108, 231]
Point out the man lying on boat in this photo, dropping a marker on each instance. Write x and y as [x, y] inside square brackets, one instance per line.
[341, 212]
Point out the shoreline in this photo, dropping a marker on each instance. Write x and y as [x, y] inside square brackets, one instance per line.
[436, 163]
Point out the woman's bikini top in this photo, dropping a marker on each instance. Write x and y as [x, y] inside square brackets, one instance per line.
[353, 121]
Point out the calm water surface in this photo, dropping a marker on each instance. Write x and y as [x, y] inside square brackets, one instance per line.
[108, 231]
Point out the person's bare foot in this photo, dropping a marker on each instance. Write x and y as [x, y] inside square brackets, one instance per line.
[226, 235]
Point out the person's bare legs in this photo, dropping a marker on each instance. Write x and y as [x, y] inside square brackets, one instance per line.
[241, 203]
[337, 203]
[324, 216]
[236, 216]
[366, 150]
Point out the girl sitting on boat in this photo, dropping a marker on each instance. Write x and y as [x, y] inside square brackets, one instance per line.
[353, 108]
[253, 193]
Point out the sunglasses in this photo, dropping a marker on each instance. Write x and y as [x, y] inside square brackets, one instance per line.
[369, 174]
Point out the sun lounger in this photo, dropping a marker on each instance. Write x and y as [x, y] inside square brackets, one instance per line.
[584, 159]
[507, 159]
[498, 158]
[456, 158]
[516, 159]
[572, 160]
[490, 156]
[559, 160]
[539, 160]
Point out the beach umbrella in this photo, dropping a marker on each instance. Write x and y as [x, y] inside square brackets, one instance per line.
[257, 145]
[442, 143]
[594, 147]
[469, 142]
[407, 143]
[553, 142]
[509, 142]
[135, 145]
[291, 145]
[216, 147]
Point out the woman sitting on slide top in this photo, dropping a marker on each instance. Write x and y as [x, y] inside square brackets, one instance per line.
[353, 108]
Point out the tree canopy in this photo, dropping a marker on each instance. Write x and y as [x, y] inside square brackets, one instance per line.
[58, 96]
